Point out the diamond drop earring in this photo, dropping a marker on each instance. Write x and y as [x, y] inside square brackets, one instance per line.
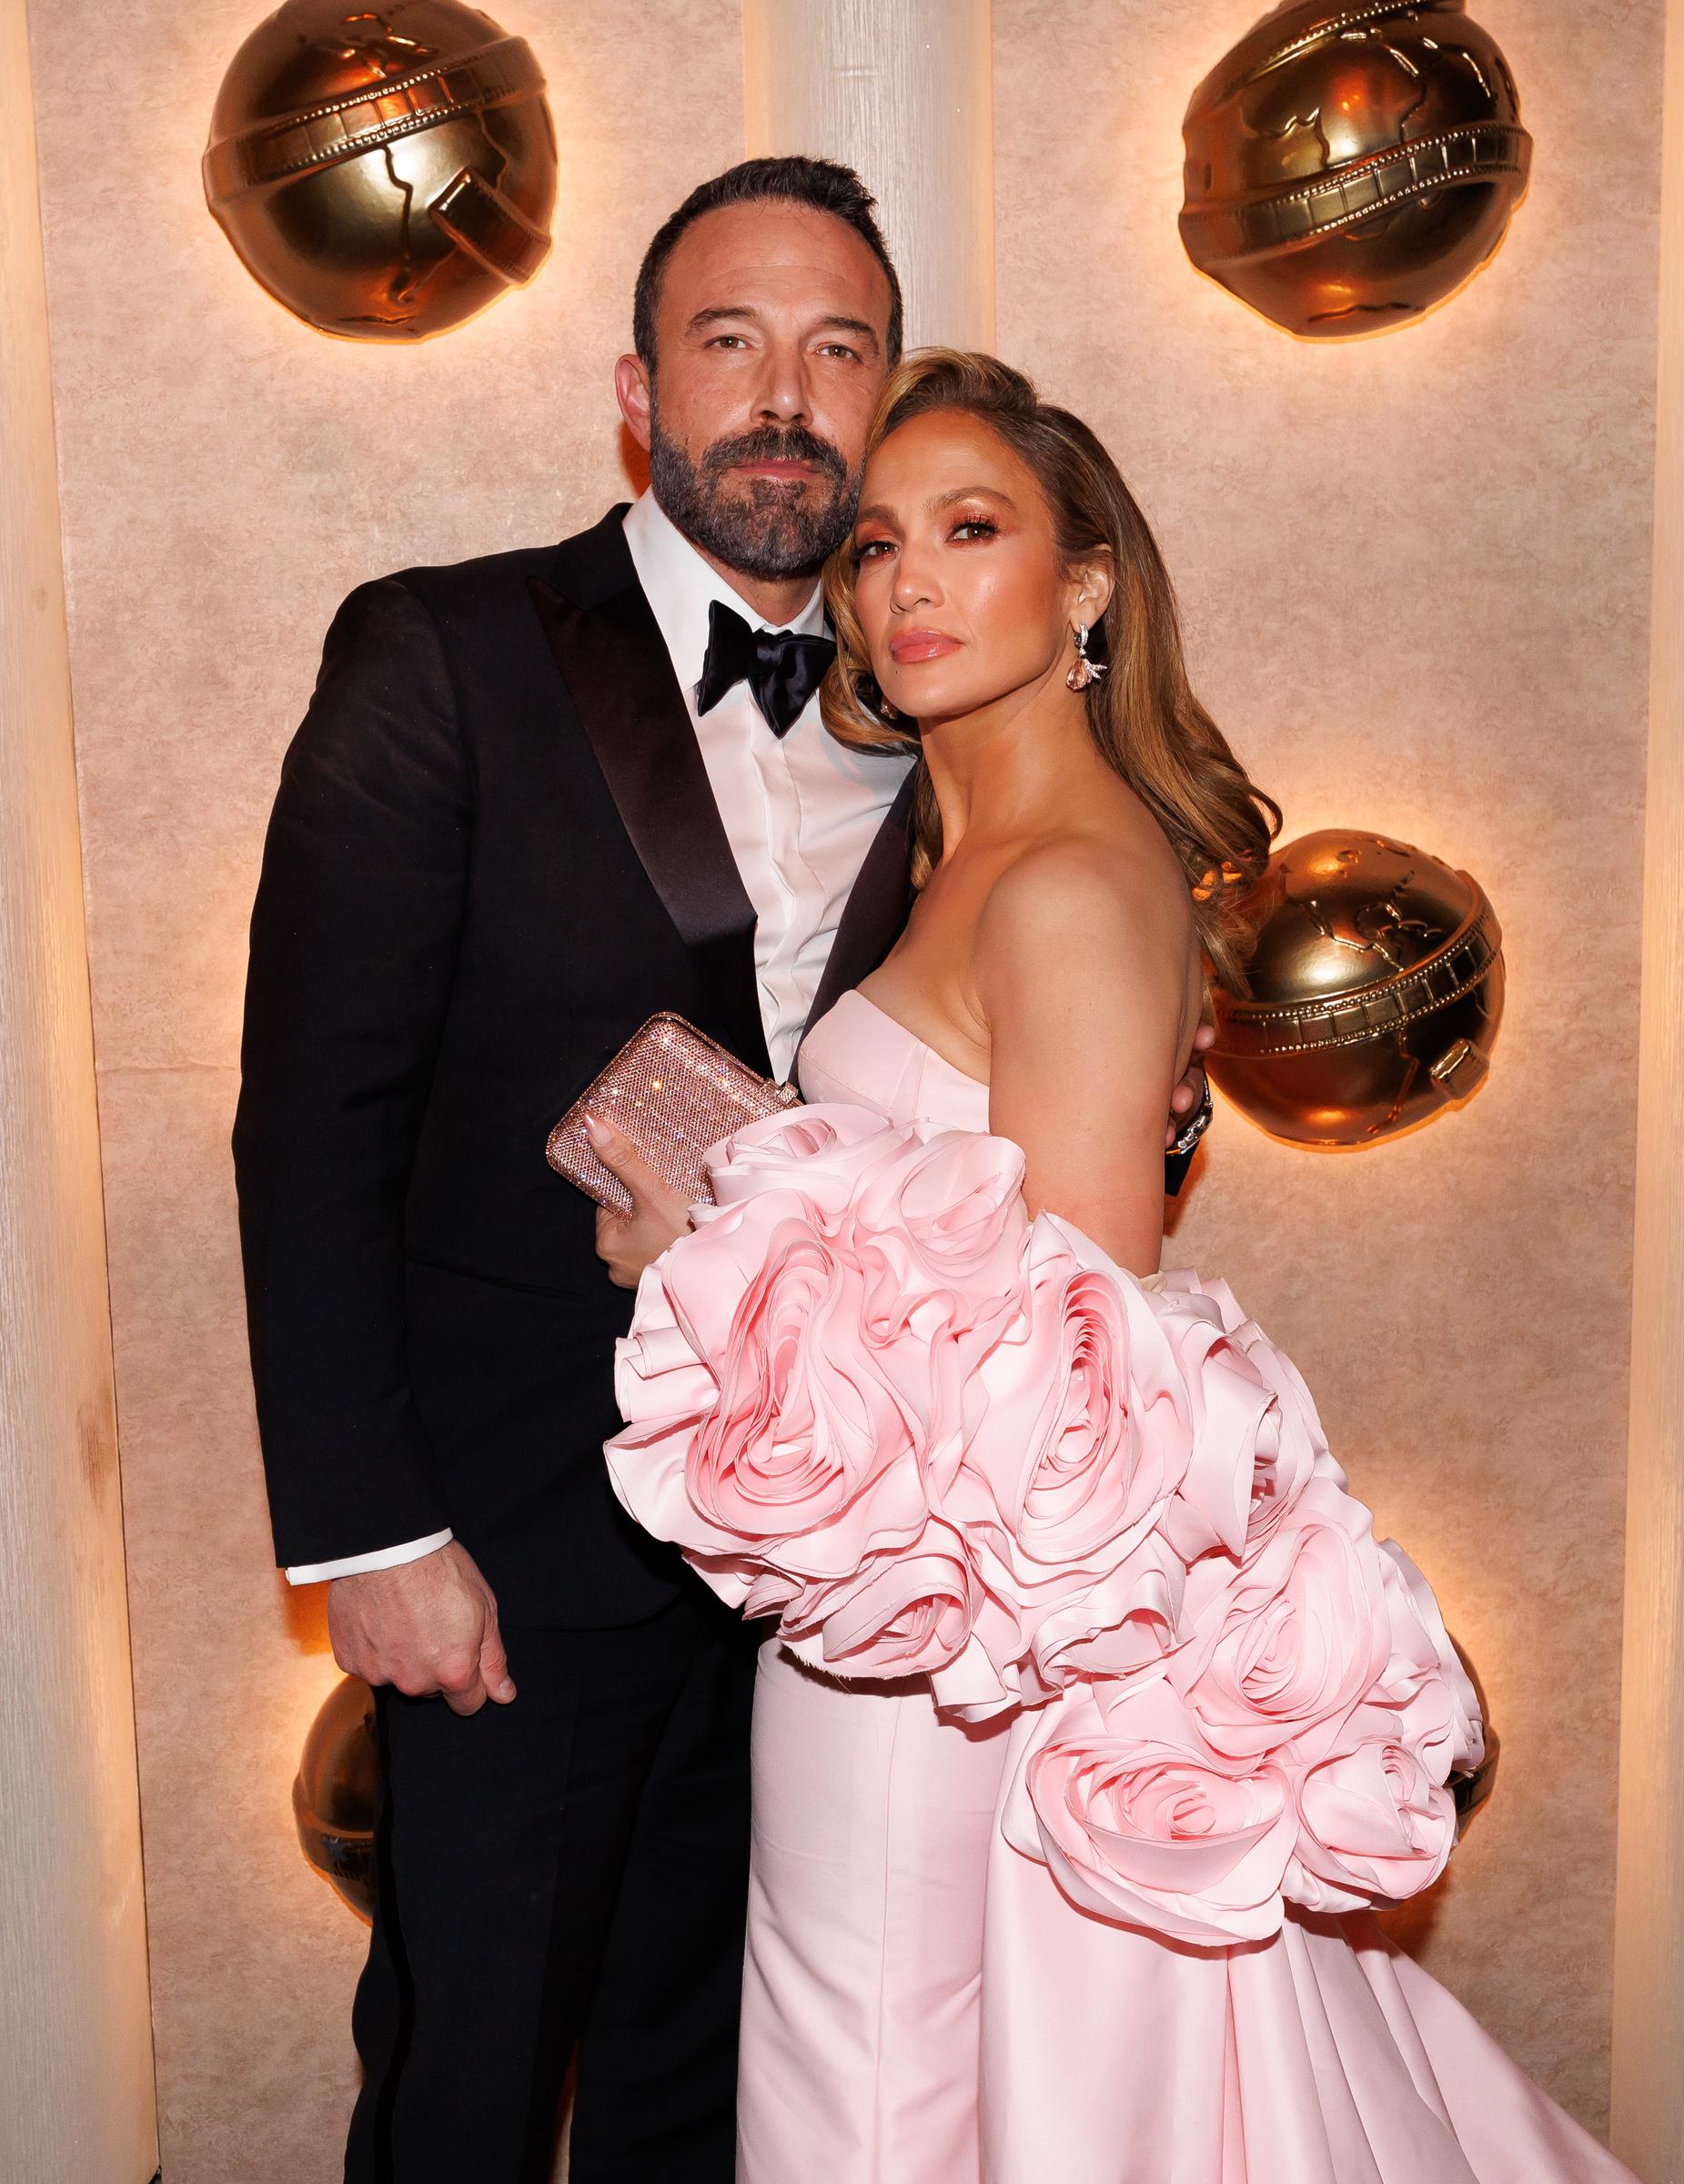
[1082, 671]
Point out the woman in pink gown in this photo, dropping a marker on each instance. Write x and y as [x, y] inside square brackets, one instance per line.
[1096, 1717]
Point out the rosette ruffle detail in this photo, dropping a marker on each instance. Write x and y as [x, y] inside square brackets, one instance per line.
[870, 1397]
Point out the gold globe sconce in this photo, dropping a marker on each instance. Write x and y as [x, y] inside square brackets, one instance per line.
[383, 174]
[1376, 992]
[1351, 163]
[336, 1796]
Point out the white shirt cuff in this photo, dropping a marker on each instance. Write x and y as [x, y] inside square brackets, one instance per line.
[377, 1558]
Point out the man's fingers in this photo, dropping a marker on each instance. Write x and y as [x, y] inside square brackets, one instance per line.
[424, 1630]
[494, 1667]
[458, 1679]
[1204, 1038]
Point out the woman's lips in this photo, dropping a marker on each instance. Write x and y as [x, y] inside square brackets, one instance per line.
[914, 645]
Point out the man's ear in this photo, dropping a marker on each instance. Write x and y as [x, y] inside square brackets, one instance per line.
[631, 389]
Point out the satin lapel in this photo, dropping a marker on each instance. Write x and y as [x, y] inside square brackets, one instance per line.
[876, 910]
[615, 665]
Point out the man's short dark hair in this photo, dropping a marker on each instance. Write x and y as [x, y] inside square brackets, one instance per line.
[822, 183]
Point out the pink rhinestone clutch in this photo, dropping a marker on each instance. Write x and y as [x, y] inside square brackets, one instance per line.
[674, 1093]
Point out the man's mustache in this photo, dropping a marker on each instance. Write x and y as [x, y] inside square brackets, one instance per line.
[776, 443]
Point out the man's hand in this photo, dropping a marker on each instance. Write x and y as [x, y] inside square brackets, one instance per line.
[627, 1243]
[427, 1626]
[1190, 1091]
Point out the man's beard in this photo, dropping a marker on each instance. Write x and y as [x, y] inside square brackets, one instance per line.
[759, 527]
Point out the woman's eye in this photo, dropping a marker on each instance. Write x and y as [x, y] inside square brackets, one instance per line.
[976, 527]
[872, 550]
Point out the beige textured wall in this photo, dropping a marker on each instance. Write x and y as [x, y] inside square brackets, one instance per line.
[1415, 572]
[76, 2049]
[228, 475]
[1648, 1939]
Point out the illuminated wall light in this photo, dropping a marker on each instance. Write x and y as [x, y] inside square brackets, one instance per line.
[335, 1795]
[383, 176]
[1376, 992]
[1333, 228]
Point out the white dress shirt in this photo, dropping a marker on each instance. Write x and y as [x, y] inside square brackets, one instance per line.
[800, 812]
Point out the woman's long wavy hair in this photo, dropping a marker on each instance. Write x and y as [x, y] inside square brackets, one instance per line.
[1143, 716]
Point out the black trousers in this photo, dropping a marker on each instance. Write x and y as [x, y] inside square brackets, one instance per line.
[567, 1874]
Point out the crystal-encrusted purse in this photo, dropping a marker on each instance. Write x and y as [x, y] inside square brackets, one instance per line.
[673, 1092]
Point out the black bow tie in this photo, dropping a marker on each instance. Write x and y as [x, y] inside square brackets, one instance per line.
[780, 667]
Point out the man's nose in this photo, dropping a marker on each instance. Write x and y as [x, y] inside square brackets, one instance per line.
[782, 396]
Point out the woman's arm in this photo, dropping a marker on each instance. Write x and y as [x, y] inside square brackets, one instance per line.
[1083, 977]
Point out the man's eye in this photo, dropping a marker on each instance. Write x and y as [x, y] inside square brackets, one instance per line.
[722, 341]
[841, 348]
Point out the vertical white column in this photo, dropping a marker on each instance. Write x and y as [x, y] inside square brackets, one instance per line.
[903, 91]
[1649, 1950]
[75, 2043]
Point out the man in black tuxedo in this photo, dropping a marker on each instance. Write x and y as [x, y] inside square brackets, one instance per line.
[536, 798]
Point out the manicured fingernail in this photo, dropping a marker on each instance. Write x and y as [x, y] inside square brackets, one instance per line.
[597, 1132]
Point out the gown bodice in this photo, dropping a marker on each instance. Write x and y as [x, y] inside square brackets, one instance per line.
[859, 1054]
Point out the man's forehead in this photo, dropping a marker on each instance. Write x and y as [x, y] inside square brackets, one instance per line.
[771, 248]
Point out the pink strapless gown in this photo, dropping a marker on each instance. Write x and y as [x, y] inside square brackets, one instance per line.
[923, 2005]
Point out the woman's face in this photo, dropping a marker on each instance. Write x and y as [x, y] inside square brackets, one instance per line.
[959, 586]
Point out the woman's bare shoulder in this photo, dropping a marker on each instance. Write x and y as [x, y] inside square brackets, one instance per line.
[1115, 884]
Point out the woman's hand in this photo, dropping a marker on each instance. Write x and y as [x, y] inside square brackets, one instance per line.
[1190, 1092]
[627, 1243]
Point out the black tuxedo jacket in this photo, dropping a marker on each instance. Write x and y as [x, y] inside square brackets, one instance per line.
[493, 855]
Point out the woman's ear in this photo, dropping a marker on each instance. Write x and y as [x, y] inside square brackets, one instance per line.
[1092, 583]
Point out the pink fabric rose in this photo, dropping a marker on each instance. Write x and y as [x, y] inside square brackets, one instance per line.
[1417, 1622]
[804, 1419]
[807, 1455]
[1289, 1447]
[1113, 1626]
[945, 1214]
[1374, 1822]
[1087, 1420]
[1308, 1438]
[900, 1613]
[939, 1224]
[821, 1152]
[1235, 1433]
[1294, 1639]
[1140, 1823]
